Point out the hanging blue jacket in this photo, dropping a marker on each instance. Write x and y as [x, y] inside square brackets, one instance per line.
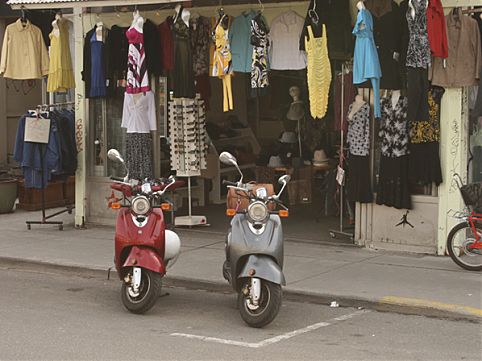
[366, 65]
[37, 159]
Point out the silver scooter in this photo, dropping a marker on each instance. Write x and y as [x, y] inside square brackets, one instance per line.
[254, 249]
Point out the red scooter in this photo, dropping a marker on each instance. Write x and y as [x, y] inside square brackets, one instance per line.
[143, 246]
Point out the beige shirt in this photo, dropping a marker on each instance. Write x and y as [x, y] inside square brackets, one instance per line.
[24, 54]
[465, 58]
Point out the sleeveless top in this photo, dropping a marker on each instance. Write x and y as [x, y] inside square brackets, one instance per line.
[137, 77]
[318, 73]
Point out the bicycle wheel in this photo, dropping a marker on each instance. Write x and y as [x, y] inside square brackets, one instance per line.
[460, 244]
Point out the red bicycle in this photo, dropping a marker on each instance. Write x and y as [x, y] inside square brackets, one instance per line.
[464, 242]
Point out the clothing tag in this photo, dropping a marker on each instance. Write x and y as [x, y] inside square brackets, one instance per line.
[107, 82]
[37, 130]
[340, 176]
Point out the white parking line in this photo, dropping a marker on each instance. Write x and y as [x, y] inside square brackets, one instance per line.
[272, 340]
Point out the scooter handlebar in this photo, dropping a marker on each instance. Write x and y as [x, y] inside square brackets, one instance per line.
[117, 179]
[229, 183]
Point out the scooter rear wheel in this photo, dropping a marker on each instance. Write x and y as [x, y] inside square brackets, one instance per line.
[269, 304]
[149, 292]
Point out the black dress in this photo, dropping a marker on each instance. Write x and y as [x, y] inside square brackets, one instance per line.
[183, 73]
[424, 143]
[393, 185]
[334, 14]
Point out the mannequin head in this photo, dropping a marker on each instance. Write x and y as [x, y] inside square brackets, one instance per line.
[295, 93]
[360, 5]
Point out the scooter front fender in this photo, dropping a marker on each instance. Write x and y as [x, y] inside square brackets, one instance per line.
[145, 257]
[265, 268]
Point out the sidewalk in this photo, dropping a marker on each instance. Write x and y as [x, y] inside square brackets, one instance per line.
[314, 272]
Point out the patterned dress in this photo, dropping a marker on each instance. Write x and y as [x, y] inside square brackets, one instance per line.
[260, 42]
[393, 185]
[418, 54]
[394, 127]
[137, 78]
[200, 41]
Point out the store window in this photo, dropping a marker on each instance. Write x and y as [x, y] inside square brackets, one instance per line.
[105, 124]
[105, 119]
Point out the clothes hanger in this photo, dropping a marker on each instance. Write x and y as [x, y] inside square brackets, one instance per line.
[262, 7]
[23, 17]
[313, 15]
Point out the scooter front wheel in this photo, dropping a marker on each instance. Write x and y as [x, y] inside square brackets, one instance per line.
[268, 306]
[149, 291]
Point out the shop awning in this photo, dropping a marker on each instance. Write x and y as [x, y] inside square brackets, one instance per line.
[56, 4]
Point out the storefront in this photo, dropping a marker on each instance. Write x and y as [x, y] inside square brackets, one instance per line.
[271, 130]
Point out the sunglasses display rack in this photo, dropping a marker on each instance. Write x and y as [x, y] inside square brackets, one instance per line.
[188, 138]
[187, 124]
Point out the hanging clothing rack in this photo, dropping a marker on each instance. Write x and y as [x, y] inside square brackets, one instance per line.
[68, 207]
[341, 231]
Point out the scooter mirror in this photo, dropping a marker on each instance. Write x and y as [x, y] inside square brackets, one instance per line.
[115, 156]
[228, 158]
[284, 179]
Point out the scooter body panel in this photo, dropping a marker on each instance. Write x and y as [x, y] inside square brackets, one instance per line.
[265, 268]
[144, 257]
[128, 235]
[242, 242]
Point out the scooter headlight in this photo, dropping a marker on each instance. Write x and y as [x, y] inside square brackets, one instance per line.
[258, 212]
[140, 205]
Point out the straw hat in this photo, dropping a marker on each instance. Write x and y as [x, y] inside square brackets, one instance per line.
[320, 158]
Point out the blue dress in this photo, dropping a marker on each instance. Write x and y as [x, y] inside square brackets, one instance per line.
[366, 65]
[97, 82]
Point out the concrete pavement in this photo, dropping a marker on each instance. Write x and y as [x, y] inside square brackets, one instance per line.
[315, 272]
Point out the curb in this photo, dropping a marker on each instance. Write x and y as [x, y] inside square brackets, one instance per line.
[387, 304]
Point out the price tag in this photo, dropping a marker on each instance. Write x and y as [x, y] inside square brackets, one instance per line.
[37, 130]
[340, 176]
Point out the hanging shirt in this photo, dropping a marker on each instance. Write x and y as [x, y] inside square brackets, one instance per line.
[139, 114]
[437, 30]
[366, 65]
[465, 59]
[285, 33]
[239, 39]
[167, 44]
[358, 136]
[24, 54]
[394, 132]
[387, 33]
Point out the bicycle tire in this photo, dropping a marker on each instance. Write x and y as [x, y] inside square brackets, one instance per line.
[450, 246]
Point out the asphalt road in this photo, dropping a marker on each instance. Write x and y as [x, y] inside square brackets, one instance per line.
[52, 316]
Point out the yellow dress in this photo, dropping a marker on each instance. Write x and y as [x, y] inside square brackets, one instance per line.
[61, 76]
[318, 72]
